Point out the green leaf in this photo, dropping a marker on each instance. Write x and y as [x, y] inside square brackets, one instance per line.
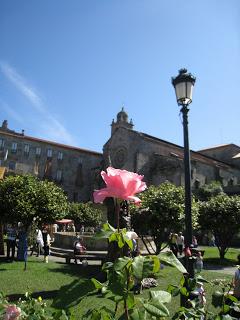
[121, 263]
[129, 243]
[227, 317]
[130, 300]
[156, 309]
[169, 258]
[103, 234]
[108, 227]
[231, 297]
[226, 308]
[107, 266]
[139, 314]
[120, 240]
[184, 291]
[97, 284]
[160, 295]
[173, 290]
[201, 279]
[143, 267]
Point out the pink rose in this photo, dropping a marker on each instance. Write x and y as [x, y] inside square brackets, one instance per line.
[12, 312]
[121, 184]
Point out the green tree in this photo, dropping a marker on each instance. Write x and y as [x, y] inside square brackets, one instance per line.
[221, 216]
[26, 198]
[209, 190]
[161, 211]
[85, 213]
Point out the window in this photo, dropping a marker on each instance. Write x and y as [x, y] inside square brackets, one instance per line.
[75, 196]
[59, 175]
[12, 165]
[26, 149]
[38, 151]
[14, 147]
[49, 153]
[2, 142]
[60, 155]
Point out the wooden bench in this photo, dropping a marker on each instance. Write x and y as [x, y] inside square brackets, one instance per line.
[195, 251]
[68, 256]
[87, 256]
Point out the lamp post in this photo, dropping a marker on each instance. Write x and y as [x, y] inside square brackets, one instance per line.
[183, 85]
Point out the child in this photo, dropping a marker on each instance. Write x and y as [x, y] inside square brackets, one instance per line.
[199, 262]
[200, 292]
[79, 248]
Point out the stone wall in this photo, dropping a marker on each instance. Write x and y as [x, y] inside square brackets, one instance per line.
[71, 168]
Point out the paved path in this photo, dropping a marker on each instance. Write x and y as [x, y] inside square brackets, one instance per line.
[213, 268]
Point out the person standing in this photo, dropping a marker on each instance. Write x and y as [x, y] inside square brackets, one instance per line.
[46, 243]
[11, 241]
[173, 243]
[39, 241]
[180, 243]
[199, 262]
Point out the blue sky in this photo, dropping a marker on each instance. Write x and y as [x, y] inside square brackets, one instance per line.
[68, 67]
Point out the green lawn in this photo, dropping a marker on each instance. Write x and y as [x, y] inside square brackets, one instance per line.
[64, 286]
[211, 256]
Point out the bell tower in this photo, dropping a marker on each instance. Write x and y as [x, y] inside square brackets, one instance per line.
[122, 121]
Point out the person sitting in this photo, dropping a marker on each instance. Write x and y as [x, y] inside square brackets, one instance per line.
[78, 248]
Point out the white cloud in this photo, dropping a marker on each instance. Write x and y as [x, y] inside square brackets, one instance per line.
[52, 128]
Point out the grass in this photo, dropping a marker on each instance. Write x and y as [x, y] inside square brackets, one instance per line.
[211, 256]
[64, 286]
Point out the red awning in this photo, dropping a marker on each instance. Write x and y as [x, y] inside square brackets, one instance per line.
[64, 221]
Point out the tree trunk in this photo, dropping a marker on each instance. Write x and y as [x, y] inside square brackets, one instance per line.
[1, 240]
[222, 252]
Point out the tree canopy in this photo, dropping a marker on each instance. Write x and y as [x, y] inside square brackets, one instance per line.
[221, 215]
[161, 212]
[207, 191]
[25, 198]
[85, 214]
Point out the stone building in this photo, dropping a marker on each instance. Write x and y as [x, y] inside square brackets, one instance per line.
[72, 168]
[77, 170]
[159, 160]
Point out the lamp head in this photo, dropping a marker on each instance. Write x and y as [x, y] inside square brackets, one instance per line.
[183, 85]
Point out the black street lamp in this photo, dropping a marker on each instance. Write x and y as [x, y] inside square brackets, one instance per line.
[183, 85]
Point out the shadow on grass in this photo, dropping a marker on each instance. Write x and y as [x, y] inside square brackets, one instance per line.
[71, 294]
[220, 263]
[43, 294]
[84, 272]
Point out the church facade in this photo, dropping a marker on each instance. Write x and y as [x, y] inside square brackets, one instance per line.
[77, 170]
[159, 160]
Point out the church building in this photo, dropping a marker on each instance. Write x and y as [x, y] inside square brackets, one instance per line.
[77, 170]
[159, 160]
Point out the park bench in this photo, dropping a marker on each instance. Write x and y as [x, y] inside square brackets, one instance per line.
[88, 255]
[196, 250]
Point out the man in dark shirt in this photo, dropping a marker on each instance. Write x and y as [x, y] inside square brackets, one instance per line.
[11, 241]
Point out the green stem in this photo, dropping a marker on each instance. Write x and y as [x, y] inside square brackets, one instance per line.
[125, 300]
[117, 211]
[116, 307]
